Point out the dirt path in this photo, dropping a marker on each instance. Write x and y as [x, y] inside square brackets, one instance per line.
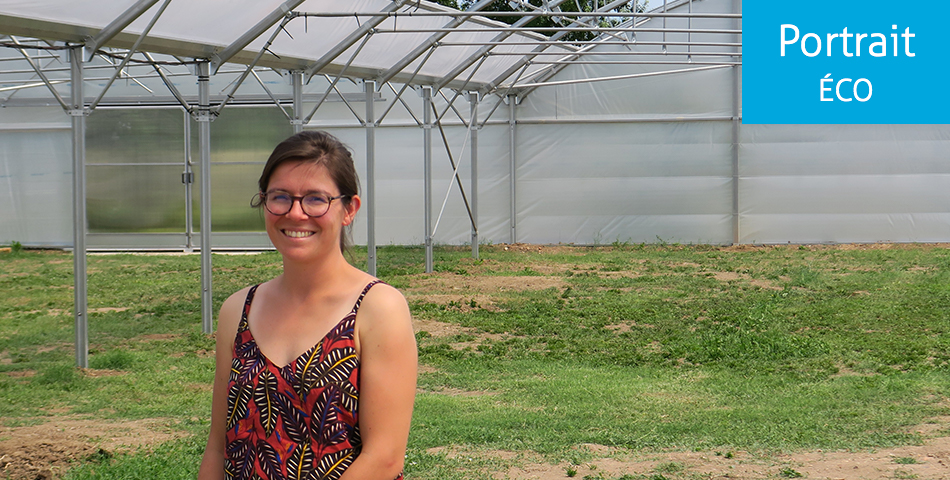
[45, 450]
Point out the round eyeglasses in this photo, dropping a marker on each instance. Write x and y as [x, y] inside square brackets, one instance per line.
[312, 204]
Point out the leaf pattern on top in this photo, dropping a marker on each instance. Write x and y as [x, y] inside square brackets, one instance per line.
[300, 462]
[336, 367]
[349, 396]
[265, 399]
[268, 459]
[325, 417]
[238, 397]
[241, 460]
[306, 362]
[296, 421]
[333, 465]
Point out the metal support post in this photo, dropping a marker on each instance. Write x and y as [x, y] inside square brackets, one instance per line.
[736, 124]
[370, 88]
[296, 81]
[512, 176]
[77, 112]
[473, 127]
[204, 147]
[188, 178]
[427, 158]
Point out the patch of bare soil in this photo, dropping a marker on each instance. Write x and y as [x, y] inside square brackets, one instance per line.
[439, 329]
[45, 451]
[472, 284]
[930, 461]
[757, 282]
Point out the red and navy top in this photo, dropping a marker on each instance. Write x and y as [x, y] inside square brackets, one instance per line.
[299, 421]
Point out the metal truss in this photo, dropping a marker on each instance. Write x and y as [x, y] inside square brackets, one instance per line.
[523, 58]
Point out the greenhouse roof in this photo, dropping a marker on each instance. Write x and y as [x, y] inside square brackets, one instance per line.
[411, 42]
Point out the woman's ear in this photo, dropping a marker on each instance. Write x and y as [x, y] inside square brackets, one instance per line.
[351, 209]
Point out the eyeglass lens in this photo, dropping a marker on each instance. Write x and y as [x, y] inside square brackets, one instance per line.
[280, 203]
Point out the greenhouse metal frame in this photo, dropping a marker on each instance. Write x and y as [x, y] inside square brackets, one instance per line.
[633, 135]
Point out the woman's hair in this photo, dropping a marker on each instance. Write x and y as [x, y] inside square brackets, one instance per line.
[319, 148]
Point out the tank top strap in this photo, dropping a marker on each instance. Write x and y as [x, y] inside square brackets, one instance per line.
[359, 300]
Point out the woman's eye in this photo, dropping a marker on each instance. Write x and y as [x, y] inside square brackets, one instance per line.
[279, 198]
[315, 200]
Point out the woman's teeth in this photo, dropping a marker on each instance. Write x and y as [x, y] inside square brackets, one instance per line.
[296, 234]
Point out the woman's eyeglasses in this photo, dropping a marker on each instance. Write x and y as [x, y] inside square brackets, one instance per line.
[313, 204]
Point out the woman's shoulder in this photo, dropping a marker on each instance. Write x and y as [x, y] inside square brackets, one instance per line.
[233, 307]
[383, 301]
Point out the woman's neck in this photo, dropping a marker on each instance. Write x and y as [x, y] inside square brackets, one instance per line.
[303, 279]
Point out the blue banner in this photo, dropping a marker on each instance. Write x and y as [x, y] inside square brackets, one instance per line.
[845, 62]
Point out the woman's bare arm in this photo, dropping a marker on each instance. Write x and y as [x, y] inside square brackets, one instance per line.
[388, 363]
[212, 464]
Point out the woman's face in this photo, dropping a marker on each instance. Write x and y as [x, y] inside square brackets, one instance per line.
[296, 235]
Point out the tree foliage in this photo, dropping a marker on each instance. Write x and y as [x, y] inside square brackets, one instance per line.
[553, 20]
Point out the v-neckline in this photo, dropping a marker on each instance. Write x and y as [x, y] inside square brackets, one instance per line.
[309, 351]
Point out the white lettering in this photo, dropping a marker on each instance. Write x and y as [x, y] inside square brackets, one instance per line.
[870, 90]
[788, 42]
[907, 36]
[882, 45]
[805, 49]
[838, 89]
[822, 89]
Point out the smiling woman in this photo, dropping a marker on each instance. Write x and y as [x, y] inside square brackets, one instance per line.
[316, 368]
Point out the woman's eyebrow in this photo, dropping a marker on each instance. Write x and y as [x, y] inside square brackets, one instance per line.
[308, 192]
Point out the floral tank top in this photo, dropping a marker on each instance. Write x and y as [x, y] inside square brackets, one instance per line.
[299, 421]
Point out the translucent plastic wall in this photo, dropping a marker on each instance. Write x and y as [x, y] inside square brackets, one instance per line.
[35, 177]
[632, 159]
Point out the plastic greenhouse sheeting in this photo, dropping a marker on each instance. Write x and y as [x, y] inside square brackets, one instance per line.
[602, 153]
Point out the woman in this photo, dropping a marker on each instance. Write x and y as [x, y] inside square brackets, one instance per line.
[298, 392]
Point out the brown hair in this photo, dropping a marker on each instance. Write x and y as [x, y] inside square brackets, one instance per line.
[319, 148]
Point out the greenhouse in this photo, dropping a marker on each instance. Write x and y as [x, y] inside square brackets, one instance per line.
[143, 125]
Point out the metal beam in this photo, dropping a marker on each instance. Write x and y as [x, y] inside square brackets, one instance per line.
[78, 114]
[514, 68]
[236, 46]
[250, 67]
[473, 127]
[168, 83]
[428, 43]
[39, 72]
[512, 165]
[631, 30]
[117, 25]
[370, 87]
[427, 171]
[296, 82]
[204, 147]
[128, 57]
[351, 40]
[468, 62]
[736, 126]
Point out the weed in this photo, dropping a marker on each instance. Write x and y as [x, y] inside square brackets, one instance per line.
[570, 471]
[112, 360]
[668, 467]
[905, 460]
[904, 475]
[788, 472]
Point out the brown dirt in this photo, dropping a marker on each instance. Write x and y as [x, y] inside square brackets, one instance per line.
[930, 461]
[44, 451]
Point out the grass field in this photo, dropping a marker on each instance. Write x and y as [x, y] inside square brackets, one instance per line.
[529, 355]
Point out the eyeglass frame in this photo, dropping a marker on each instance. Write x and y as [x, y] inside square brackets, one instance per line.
[262, 197]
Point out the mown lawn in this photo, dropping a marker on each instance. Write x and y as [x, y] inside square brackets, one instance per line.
[529, 350]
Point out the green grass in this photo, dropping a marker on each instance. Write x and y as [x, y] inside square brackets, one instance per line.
[632, 346]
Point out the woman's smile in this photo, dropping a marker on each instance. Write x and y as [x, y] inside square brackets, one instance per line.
[297, 233]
